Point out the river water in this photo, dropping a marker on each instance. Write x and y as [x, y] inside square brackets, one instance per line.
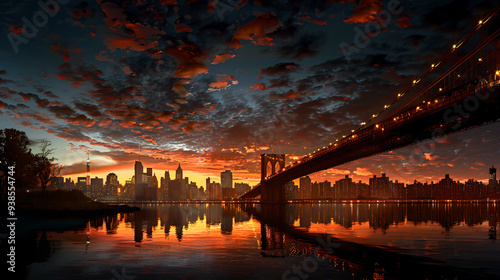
[295, 241]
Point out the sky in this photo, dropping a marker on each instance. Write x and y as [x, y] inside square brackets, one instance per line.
[211, 85]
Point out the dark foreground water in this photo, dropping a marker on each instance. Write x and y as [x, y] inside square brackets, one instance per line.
[299, 241]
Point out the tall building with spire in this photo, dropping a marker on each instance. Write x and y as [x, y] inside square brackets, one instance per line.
[88, 187]
[177, 188]
[178, 173]
[88, 169]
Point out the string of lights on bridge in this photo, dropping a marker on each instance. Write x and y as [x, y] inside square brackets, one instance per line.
[436, 64]
[432, 67]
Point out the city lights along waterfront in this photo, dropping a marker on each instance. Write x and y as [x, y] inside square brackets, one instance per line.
[250, 139]
[179, 189]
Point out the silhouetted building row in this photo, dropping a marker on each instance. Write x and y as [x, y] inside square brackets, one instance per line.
[449, 189]
[144, 187]
[179, 189]
[383, 188]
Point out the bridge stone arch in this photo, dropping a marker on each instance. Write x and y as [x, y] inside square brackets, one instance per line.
[271, 164]
[269, 169]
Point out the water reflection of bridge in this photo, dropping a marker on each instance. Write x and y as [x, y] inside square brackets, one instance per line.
[279, 238]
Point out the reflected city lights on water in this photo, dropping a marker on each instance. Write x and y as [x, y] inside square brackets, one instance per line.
[191, 240]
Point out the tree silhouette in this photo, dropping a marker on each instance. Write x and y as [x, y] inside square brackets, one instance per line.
[30, 170]
[44, 168]
[14, 151]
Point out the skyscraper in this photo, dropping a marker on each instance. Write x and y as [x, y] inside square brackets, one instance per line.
[344, 188]
[494, 187]
[152, 191]
[176, 187]
[493, 176]
[305, 187]
[88, 169]
[111, 187]
[380, 187]
[226, 179]
[144, 190]
[81, 184]
[138, 172]
[97, 187]
[178, 173]
[214, 190]
[175, 191]
[164, 185]
[167, 176]
[127, 192]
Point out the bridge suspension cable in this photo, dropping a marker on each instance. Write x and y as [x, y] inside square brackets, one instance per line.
[381, 118]
[445, 74]
[432, 69]
[384, 115]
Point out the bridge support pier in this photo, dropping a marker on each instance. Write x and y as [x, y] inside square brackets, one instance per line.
[273, 214]
[272, 193]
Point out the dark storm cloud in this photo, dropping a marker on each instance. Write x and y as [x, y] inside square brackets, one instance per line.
[90, 109]
[414, 40]
[365, 12]
[83, 10]
[279, 68]
[307, 45]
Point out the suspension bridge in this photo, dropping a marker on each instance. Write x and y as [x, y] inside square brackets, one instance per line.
[459, 91]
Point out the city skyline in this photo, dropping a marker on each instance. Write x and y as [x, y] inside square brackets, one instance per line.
[199, 177]
[378, 187]
[296, 180]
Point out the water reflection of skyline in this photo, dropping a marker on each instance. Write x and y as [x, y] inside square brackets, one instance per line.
[383, 215]
[217, 228]
[175, 218]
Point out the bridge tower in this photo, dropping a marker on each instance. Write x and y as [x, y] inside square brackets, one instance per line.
[270, 165]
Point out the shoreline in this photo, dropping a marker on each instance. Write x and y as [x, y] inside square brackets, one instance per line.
[311, 201]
